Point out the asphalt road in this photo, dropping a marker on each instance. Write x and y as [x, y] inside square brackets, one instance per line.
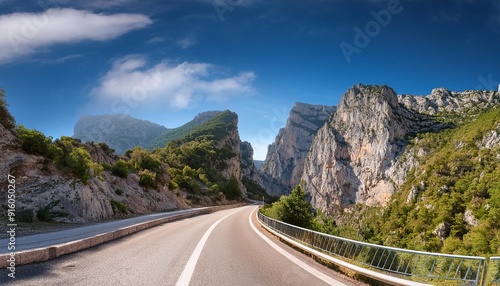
[223, 248]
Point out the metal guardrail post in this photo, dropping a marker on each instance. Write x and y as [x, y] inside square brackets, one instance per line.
[491, 275]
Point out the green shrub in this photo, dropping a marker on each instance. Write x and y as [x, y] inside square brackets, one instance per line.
[35, 142]
[292, 209]
[24, 215]
[44, 214]
[232, 190]
[106, 167]
[105, 147]
[81, 163]
[120, 169]
[119, 192]
[147, 178]
[6, 119]
[118, 207]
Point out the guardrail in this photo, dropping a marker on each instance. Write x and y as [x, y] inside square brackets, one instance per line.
[400, 263]
[493, 275]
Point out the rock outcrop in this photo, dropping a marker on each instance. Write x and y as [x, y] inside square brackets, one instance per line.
[41, 184]
[248, 168]
[231, 143]
[352, 152]
[285, 157]
[442, 99]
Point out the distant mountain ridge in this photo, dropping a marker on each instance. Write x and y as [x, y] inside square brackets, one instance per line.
[179, 132]
[123, 132]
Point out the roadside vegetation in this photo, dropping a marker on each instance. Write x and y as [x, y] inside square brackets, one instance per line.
[294, 209]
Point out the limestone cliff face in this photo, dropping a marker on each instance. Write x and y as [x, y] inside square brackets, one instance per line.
[233, 165]
[285, 158]
[442, 99]
[248, 168]
[360, 155]
[351, 153]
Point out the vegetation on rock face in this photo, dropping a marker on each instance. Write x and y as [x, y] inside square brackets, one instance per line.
[451, 202]
[182, 131]
[35, 142]
[121, 169]
[66, 151]
[6, 119]
[257, 192]
[195, 162]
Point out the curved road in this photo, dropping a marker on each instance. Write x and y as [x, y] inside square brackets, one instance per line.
[223, 248]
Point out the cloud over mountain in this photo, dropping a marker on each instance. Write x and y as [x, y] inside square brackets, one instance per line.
[132, 80]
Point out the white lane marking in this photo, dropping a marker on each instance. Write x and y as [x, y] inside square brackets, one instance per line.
[187, 273]
[294, 259]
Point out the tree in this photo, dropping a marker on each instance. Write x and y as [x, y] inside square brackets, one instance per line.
[120, 169]
[147, 178]
[292, 209]
[81, 164]
[34, 141]
[232, 190]
[296, 209]
[6, 119]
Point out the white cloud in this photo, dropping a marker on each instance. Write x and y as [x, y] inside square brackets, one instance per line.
[186, 42]
[156, 40]
[233, 3]
[22, 34]
[59, 60]
[104, 3]
[131, 81]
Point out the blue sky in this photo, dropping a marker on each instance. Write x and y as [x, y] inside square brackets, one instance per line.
[166, 61]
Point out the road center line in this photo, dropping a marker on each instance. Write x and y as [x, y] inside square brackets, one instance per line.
[294, 259]
[188, 271]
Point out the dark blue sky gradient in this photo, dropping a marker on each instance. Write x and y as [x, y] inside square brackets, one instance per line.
[292, 48]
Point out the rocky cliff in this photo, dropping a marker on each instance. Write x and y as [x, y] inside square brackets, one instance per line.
[360, 155]
[285, 157]
[41, 184]
[443, 100]
[231, 142]
[248, 168]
